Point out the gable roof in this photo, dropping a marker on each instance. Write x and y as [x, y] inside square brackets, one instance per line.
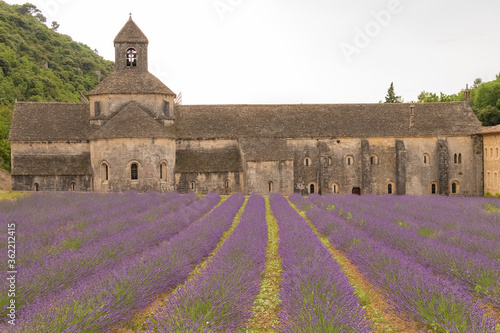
[208, 160]
[52, 165]
[491, 129]
[131, 33]
[131, 82]
[35, 121]
[265, 149]
[132, 121]
[324, 120]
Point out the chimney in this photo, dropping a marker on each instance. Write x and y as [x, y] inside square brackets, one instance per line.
[467, 95]
[412, 113]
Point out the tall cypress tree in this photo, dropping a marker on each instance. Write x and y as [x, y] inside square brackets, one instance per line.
[391, 95]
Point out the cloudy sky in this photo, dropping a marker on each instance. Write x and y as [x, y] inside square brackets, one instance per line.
[297, 51]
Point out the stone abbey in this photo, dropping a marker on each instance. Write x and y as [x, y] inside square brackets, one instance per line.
[132, 136]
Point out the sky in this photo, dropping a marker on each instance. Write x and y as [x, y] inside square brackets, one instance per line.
[297, 51]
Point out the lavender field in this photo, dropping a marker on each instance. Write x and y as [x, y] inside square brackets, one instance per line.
[131, 262]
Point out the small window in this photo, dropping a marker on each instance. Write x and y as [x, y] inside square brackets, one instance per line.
[311, 189]
[373, 159]
[497, 153]
[485, 152]
[454, 188]
[97, 108]
[455, 159]
[335, 188]
[73, 186]
[36, 187]
[491, 153]
[460, 158]
[350, 160]
[330, 161]
[163, 171]
[307, 161]
[270, 187]
[104, 171]
[226, 184]
[134, 171]
[433, 188]
[488, 179]
[427, 159]
[192, 185]
[166, 108]
[131, 58]
[495, 181]
[389, 189]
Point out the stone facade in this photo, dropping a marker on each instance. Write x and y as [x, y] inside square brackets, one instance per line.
[131, 136]
[491, 142]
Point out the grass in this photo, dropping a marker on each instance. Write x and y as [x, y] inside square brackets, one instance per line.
[12, 195]
[266, 304]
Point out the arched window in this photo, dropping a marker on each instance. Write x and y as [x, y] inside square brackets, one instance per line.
[335, 188]
[454, 187]
[36, 187]
[497, 153]
[131, 57]
[104, 171]
[455, 159]
[427, 159]
[330, 161]
[226, 184]
[350, 160]
[491, 153]
[163, 171]
[192, 185]
[434, 188]
[97, 108]
[134, 171]
[460, 158]
[307, 161]
[373, 159]
[495, 181]
[72, 186]
[488, 179]
[270, 187]
[311, 188]
[485, 152]
[389, 188]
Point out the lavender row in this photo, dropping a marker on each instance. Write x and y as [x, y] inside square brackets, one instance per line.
[411, 287]
[98, 303]
[315, 293]
[52, 273]
[472, 270]
[49, 233]
[221, 298]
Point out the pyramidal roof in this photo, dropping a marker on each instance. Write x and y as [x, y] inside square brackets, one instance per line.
[132, 121]
[131, 33]
[131, 82]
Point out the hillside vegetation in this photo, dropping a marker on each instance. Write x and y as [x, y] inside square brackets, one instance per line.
[38, 64]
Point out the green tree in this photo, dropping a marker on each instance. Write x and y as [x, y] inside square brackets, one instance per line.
[391, 95]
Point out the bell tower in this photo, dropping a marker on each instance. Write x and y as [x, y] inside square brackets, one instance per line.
[131, 48]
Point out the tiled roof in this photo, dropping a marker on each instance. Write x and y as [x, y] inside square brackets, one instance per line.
[52, 165]
[131, 33]
[131, 82]
[132, 121]
[324, 120]
[208, 160]
[34, 121]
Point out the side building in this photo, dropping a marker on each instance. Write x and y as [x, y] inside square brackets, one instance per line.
[491, 142]
[131, 136]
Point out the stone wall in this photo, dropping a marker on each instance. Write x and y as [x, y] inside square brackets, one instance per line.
[119, 154]
[491, 153]
[207, 182]
[52, 183]
[259, 175]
